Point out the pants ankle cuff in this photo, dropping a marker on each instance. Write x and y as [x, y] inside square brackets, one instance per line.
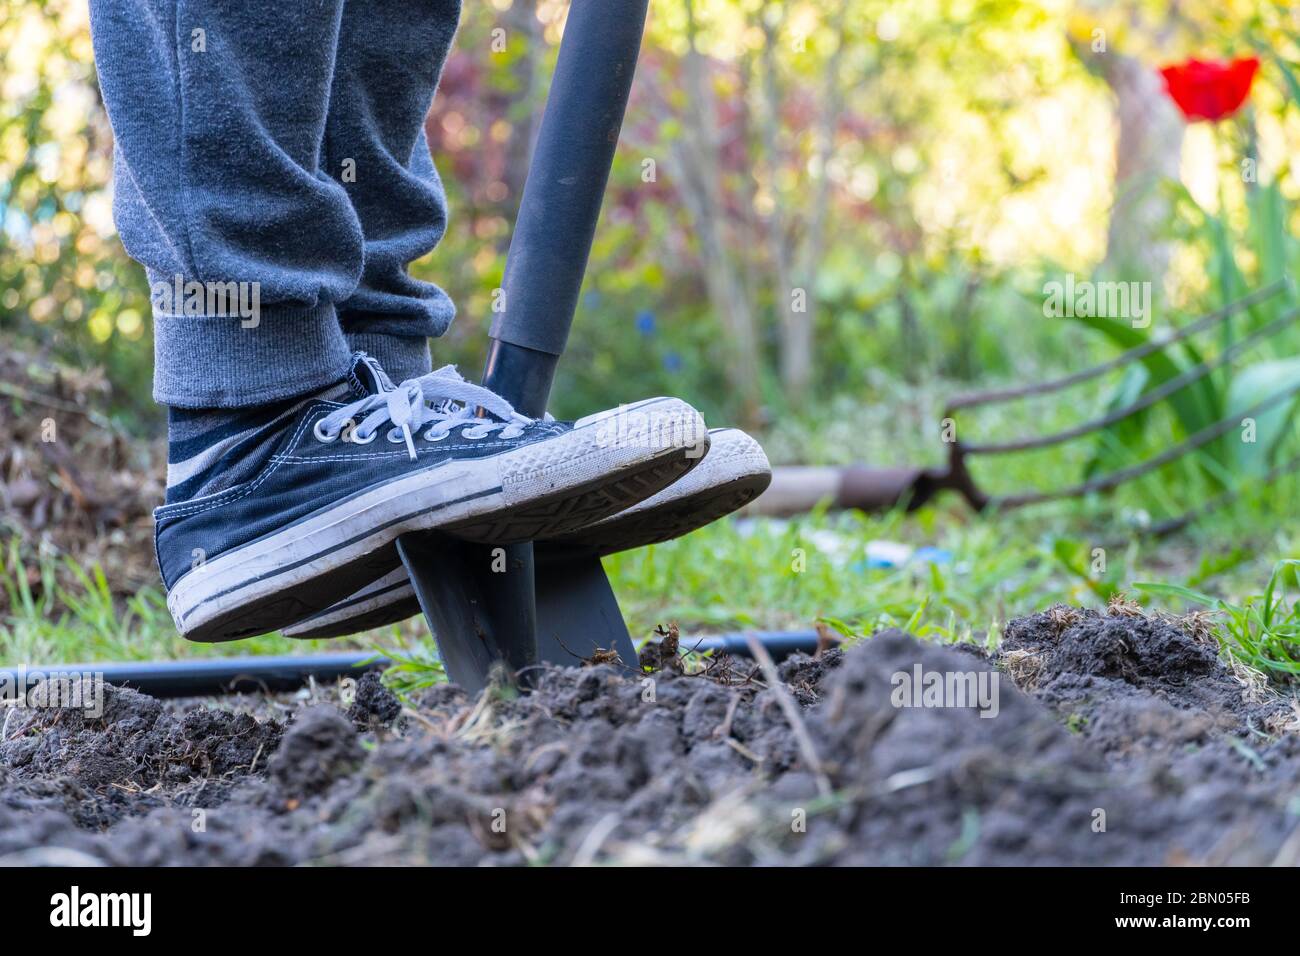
[232, 361]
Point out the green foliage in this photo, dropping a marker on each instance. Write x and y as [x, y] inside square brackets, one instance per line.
[415, 663]
[1250, 387]
[1103, 577]
[1234, 390]
[64, 280]
[85, 622]
[1262, 629]
[947, 189]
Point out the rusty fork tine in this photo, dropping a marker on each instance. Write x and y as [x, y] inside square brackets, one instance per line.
[1177, 383]
[997, 396]
[961, 451]
[876, 489]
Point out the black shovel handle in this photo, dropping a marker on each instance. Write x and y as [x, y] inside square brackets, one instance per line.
[562, 197]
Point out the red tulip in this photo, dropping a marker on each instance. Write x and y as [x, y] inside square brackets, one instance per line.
[1210, 89]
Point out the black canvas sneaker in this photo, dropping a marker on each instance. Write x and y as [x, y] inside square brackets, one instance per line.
[320, 518]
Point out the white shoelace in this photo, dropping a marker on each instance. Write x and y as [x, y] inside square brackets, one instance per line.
[442, 400]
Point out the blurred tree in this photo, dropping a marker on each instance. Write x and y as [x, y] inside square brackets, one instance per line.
[698, 154]
[1148, 148]
[64, 280]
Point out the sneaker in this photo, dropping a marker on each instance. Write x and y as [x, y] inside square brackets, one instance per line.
[733, 473]
[322, 516]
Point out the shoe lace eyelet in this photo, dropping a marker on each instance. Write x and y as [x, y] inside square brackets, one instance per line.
[394, 436]
[321, 436]
[471, 435]
[430, 436]
[358, 440]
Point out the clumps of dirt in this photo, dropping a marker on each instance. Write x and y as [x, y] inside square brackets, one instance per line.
[892, 751]
[804, 675]
[1125, 678]
[918, 783]
[73, 484]
[320, 747]
[374, 706]
[117, 743]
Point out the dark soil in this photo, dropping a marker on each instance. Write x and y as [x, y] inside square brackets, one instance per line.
[1127, 740]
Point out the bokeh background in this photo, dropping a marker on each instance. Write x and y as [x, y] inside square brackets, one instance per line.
[909, 173]
[917, 167]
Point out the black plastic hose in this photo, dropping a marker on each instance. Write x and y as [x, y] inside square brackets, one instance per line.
[232, 675]
[199, 678]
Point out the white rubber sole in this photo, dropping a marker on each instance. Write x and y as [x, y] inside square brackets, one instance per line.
[389, 600]
[547, 487]
[733, 473]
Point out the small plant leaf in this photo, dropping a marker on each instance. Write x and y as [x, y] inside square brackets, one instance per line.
[1250, 386]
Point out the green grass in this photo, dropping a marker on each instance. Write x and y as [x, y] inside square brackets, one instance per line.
[777, 574]
[1262, 629]
[84, 622]
[757, 573]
